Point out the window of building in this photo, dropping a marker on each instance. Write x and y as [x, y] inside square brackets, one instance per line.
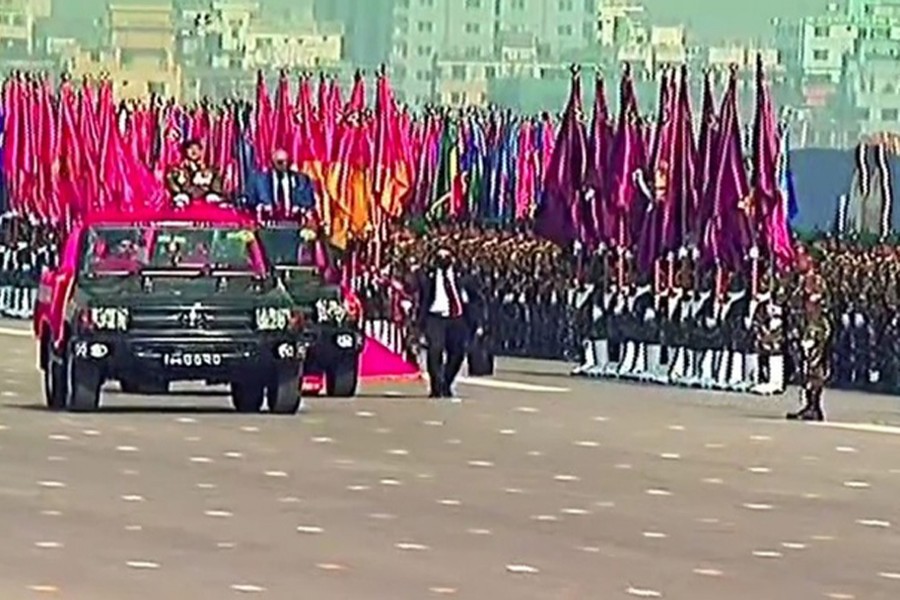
[473, 3]
[458, 72]
[820, 31]
[566, 5]
[564, 30]
[426, 2]
[472, 52]
[518, 4]
[820, 54]
[473, 28]
[490, 72]
[423, 51]
[456, 98]
[426, 27]
[590, 7]
[423, 75]
[890, 114]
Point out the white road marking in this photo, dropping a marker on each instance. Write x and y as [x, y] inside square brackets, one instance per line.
[624, 467]
[446, 591]
[670, 456]
[761, 438]
[878, 523]
[382, 516]
[247, 588]
[234, 455]
[365, 414]
[708, 572]
[514, 490]
[475, 531]
[201, 460]
[51, 513]
[714, 481]
[410, 546]
[859, 485]
[714, 446]
[793, 545]
[132, 498]
[206, 486]
[134, 528]
[527, 410]
[600, 419]
[250, 429]
[91, 432]
[767, 554]
[520, 569]
[512, 385]
[889, 575]
[863, 427]
[535, 453]
[643, 593]
[185, 420]
[276, 474]
[218, 514]
[289, 500]
[398, 452]
[840, 596]
[331, 567]
[433, 423]
[323, 440]
[449, 502]
[759, 470]
[676, 427]
[226, 545]
[48, 545]
[390, 482]
[59, 437]
[309, 529]
[654, 535]
[577, 512]
[658, 492]
[566, 478]
[142, 564]
[126, 449]
[43, 589]
[545, 518]
[57, 459]
[587, 444]
[51, 484]
[846, 449]
[358, 488]
[507, 432]
[757, 506]
[25, 333]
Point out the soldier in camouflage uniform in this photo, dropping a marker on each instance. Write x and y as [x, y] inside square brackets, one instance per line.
[815, 341]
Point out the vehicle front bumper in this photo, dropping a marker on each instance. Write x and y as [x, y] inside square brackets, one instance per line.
[179, 358]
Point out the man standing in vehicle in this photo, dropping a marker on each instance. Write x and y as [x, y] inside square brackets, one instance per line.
[192, 179]
[281, 193]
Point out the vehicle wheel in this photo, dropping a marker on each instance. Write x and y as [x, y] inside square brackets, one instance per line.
[341, 380]
[82, 386]
[247, 396]
[284, 395]
[144, 388]
[55, 381]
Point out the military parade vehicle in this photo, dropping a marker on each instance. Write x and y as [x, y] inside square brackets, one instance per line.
[333, 313]
[184, 295]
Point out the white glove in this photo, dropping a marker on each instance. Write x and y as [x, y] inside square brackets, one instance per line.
[181, 200]
[807, 344]
[214, 198]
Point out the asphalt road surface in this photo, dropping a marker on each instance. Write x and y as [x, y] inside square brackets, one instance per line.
[537, 485]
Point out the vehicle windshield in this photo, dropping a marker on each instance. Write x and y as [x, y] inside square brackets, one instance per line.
[285, 246]
[131, 249]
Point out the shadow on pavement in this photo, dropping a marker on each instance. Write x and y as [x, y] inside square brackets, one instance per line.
[131, 409]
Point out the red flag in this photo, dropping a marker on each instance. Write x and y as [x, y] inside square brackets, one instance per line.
[263, 143]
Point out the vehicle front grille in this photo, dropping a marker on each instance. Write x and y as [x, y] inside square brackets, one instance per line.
[192, 319]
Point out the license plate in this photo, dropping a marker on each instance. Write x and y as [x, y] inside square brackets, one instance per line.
[192, 359]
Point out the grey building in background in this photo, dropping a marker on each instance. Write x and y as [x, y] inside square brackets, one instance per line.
[368, 26]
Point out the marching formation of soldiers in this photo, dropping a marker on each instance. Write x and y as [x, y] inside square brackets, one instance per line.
[708, 329]
[25, 250]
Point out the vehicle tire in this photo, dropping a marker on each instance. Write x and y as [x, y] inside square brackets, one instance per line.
[342, 379]
[144, 388]
[82, 386]
[284, 395]
[247, 396]
[55, 381]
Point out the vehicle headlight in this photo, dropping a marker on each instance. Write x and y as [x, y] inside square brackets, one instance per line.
[110, 318]
[270, 318]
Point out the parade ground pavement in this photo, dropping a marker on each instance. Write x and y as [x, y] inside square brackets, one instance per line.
[537, 485]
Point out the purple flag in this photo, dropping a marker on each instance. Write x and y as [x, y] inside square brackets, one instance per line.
[627, 159]
[770, 207]
[559, 217]
[707, 146]
[597, 182]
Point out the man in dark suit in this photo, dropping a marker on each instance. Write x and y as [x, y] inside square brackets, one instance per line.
[451, 310]
[280, 193]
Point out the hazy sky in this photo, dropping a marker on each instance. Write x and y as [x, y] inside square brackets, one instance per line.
[717, 19]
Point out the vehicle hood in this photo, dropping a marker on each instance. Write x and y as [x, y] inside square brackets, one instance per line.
[165, 292]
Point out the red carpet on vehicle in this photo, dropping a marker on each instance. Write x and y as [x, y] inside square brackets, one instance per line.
[378, 362]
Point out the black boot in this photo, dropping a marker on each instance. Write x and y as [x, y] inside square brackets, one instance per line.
[812, 411]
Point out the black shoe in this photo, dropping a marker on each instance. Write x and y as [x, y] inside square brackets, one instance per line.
[435, 395]
[809, 413]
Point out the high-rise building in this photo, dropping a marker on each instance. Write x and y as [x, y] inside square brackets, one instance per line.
[367, 33]
[478, 31]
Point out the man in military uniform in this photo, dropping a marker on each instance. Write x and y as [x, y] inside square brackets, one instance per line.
[814, 341]
[192, 178]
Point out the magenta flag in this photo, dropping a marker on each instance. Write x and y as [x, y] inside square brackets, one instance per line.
[597, 184]
[626, 160]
